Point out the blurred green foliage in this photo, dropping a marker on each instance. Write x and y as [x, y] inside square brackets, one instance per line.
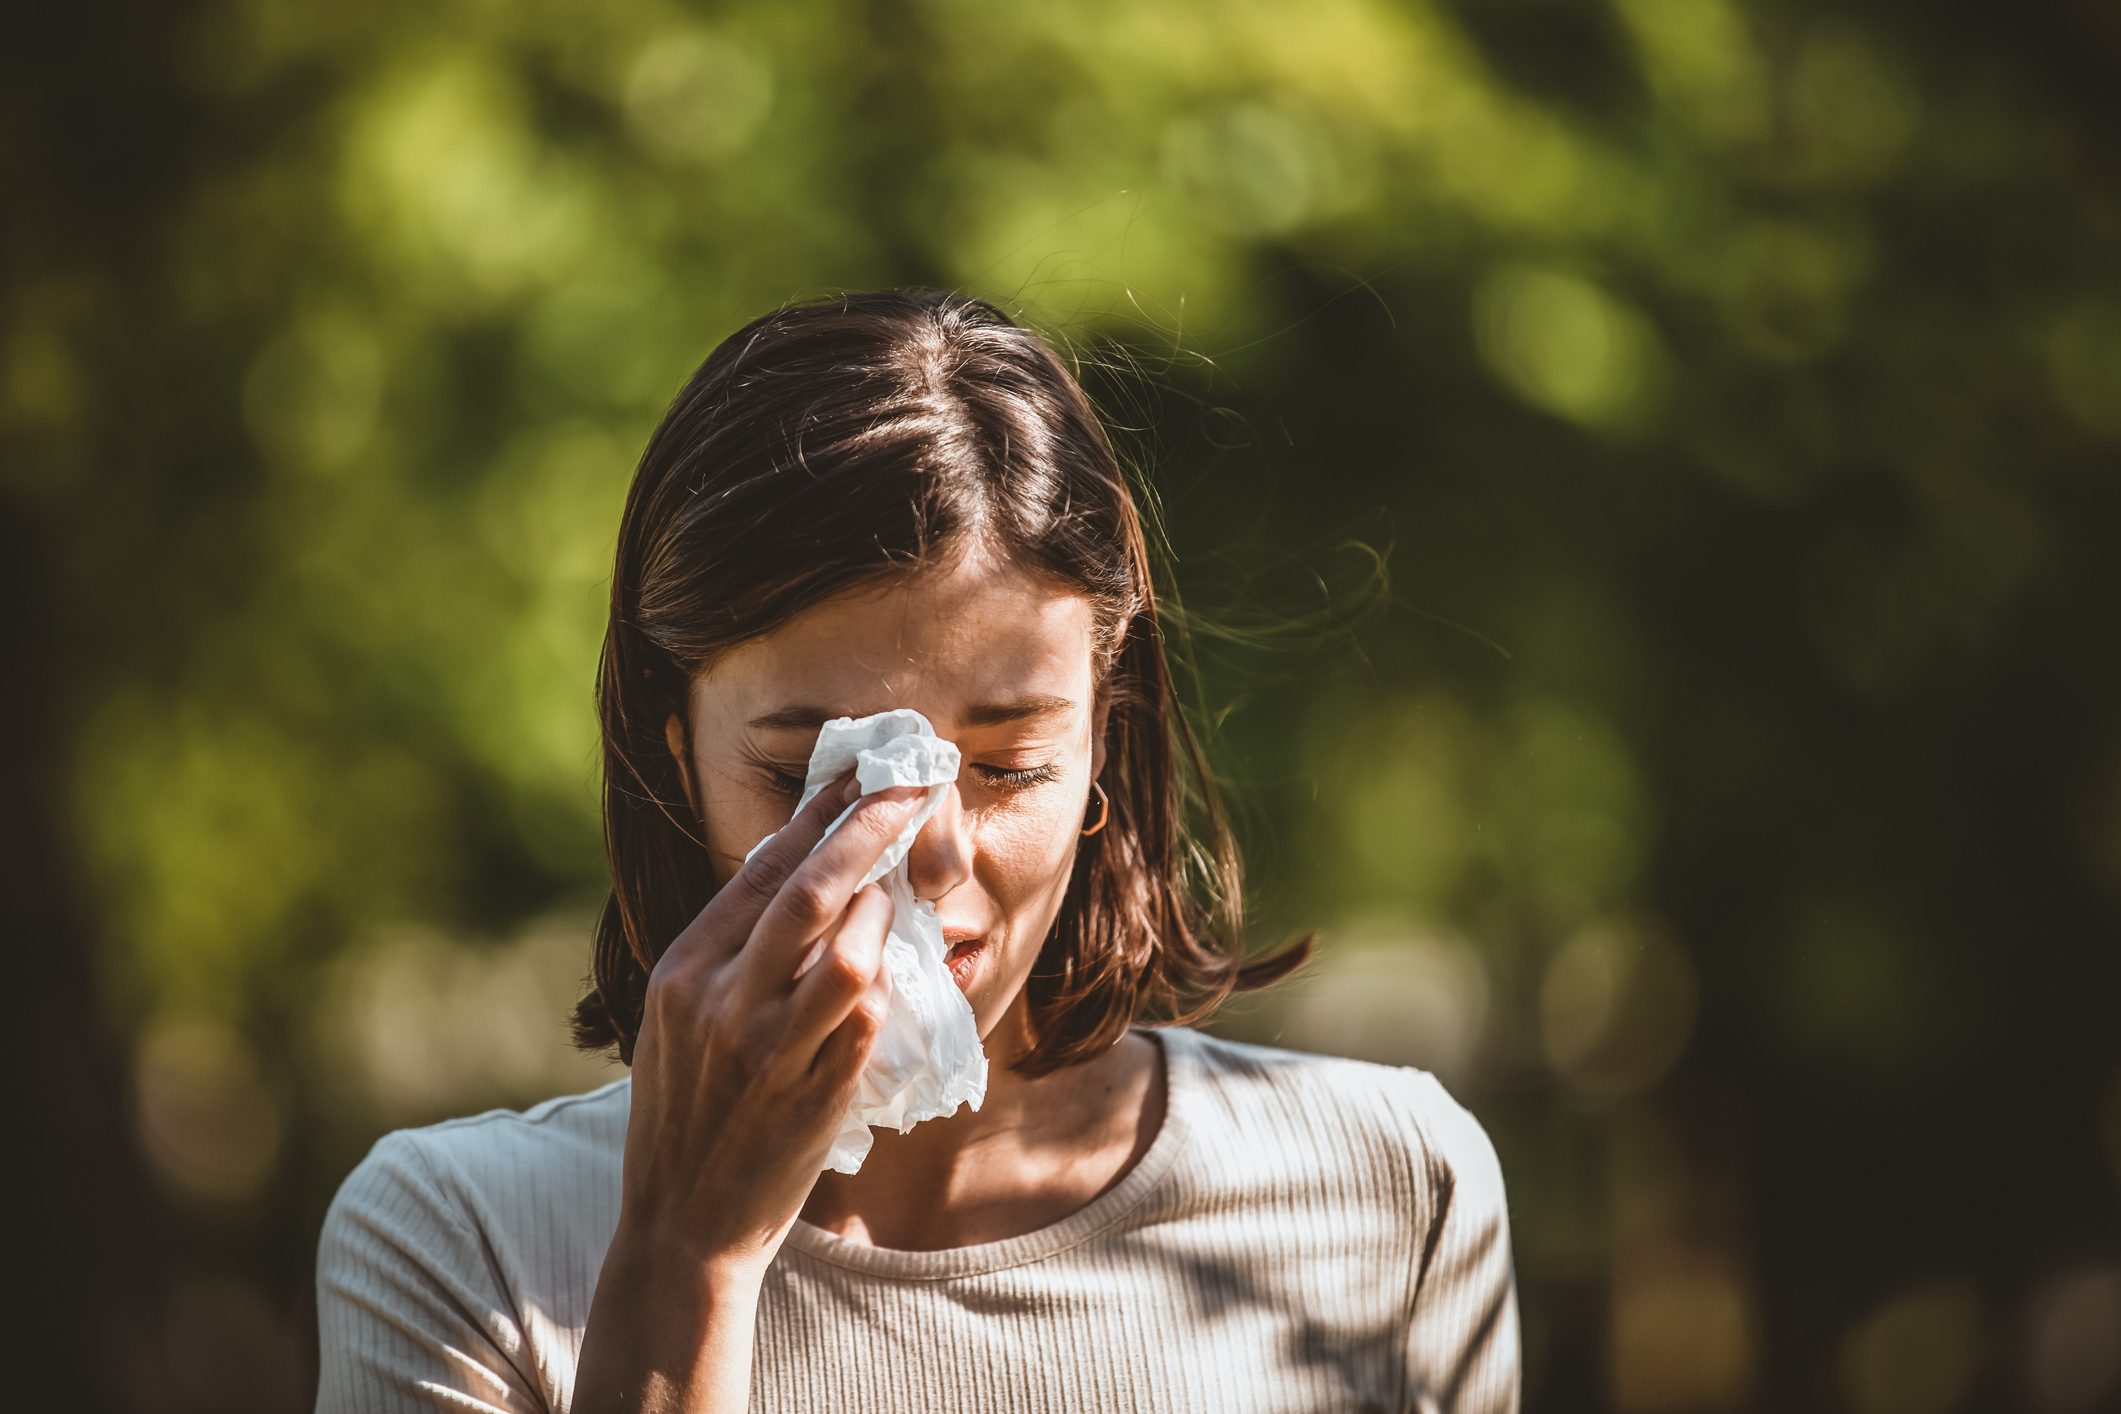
[1727, 801]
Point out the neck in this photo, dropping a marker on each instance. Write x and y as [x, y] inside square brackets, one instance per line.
[1035, 1150]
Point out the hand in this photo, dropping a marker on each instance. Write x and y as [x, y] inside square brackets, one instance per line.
[742, 1070]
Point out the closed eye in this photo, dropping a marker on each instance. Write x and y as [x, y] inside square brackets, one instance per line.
[1021, 778]
[1009, 778]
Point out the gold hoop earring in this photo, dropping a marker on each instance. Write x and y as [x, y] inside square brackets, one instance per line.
[1104, 813]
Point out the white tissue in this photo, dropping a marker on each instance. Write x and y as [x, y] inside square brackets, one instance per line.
[927, 1060]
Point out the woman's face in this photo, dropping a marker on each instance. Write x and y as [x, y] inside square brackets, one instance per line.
[1000, 662]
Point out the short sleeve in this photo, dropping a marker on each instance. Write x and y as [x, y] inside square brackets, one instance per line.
[410, 1314]
[1462, 1344]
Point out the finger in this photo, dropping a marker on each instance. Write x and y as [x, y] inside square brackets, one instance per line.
[846, 1051]
[723, 925]
[847, 968]
[814, 896]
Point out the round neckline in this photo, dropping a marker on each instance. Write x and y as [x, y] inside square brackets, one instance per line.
[1099, 1215]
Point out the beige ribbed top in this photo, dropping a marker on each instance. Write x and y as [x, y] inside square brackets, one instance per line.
[1304, 1233]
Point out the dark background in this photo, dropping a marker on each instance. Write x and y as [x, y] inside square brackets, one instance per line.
[1643, 481]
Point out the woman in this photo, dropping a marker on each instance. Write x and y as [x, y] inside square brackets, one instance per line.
[903, 499]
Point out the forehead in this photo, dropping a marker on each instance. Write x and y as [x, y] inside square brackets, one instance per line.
[939, 639]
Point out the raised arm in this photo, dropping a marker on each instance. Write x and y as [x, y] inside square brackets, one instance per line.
[741, 1074]
[740, 1077]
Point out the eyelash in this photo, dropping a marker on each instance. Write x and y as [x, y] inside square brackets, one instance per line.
[1001, 776]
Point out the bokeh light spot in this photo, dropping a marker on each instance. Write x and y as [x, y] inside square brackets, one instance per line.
[1400, 827]
[313, 394]
[1851, 110]
[1786, 285]
[2073, 1343]
[1616, 1007]
[1254, 169]
[1575, 807]
[445, 174]
[1916, 1354]
[2083, 350]
[696, 95]
[1393, 992]
[419, 1023]
[1564, 344]
[207, 1116]
[1684, 1331]
[1702, 64]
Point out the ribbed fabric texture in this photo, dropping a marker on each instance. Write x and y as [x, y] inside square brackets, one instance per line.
[1304, 1233]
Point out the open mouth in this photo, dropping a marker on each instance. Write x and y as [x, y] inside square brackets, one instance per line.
[964, 960]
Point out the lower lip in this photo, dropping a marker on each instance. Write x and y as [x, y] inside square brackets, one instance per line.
[964, 961]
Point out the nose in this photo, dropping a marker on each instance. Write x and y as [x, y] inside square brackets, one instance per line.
[941, 857]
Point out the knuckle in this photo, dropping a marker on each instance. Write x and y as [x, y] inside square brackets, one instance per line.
[674, 997]
[845, 971]
[807, 902]
[867, 1017]
[757, 882]
[881, 823]
[662, 989]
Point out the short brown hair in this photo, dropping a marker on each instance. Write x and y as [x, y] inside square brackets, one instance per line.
[839, 440]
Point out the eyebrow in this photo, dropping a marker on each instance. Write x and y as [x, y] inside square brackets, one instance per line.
[985, 714]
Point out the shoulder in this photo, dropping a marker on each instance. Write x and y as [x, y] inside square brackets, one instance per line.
[1398, 1121]
[463, 1172]
[449, 1264]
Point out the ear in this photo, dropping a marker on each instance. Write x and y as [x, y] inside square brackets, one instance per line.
[674, 738]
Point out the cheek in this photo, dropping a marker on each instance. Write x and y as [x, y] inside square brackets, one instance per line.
[739, 815]
[1025, 856]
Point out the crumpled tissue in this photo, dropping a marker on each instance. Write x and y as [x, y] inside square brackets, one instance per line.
[927, 1059]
